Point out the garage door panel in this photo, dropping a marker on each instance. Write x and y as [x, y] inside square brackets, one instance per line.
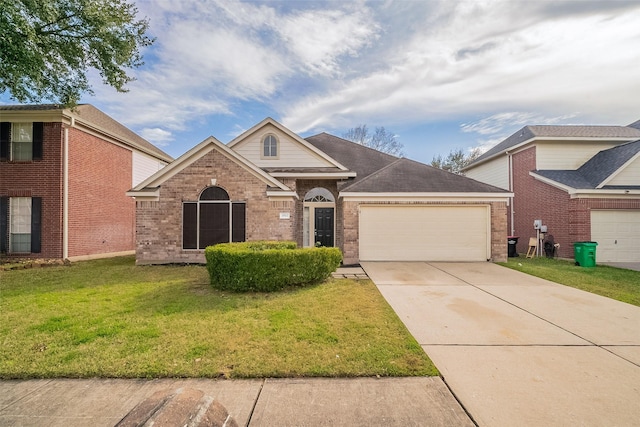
[618, 235]
[420, 233]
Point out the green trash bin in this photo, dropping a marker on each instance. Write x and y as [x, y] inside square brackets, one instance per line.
[585, 253]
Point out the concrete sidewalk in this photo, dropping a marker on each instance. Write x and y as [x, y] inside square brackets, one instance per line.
[519, 350]
[270, 402]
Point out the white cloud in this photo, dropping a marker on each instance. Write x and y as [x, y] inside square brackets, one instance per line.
[491, 56]
[497, 123]
[157, 136]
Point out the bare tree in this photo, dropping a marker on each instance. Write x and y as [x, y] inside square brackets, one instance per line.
[456, 160]
[380, 140]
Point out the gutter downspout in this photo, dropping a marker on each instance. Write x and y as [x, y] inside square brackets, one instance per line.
[65, 193]
[511, 211]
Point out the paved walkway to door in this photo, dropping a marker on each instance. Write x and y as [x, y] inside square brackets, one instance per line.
[516, 349]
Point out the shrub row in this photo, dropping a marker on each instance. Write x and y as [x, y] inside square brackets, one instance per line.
[268, 266]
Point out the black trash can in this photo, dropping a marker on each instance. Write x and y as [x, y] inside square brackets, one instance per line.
[512, 241]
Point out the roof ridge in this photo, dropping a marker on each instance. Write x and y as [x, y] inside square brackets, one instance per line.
[366, 178]
[354, 143]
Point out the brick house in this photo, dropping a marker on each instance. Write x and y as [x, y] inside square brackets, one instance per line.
[270, 183]
[583, 182]
[63, 178]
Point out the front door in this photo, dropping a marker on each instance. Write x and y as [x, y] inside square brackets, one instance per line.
[324, 226]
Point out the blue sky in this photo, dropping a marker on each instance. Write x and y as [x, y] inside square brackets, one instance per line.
[440, 75]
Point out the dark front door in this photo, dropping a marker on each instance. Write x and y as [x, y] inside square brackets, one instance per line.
[324, 226]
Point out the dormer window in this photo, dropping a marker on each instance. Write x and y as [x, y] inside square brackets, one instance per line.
[270, 147]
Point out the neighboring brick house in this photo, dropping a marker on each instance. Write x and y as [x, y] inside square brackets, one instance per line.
[63, 178]
[270, 183]
[583, 182]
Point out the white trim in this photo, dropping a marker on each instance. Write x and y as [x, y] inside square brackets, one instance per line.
[550, 138]
[282, 194]
[292, 135]
[153, 195]
[486, 206]
[313, 175]
[620, 169]
[198, 152]
[65, 195]
[430, 197]
[551, 182]
[587, 193]
[604, 194]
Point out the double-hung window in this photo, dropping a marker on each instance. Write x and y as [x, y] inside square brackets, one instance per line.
[20, 224]
[21, 142]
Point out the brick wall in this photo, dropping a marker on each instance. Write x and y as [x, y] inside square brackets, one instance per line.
[159, 224]
[303, 187]
[41, 178]
[351, 229]
[101, 216]
[536, 200]
[568, 220]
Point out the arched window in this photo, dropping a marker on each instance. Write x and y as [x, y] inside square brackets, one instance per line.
[270, 147]
[214, 218]
[318, 225]
[319, 194]
[214, 193]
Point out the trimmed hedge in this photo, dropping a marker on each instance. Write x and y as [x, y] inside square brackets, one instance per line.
[267, 266]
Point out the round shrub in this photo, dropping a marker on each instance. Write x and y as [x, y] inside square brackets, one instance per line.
[267, 266]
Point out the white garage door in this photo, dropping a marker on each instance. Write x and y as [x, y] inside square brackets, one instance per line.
[618, 235]
[424, 233]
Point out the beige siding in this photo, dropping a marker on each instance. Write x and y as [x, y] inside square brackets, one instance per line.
[618, 235]
[494, 172]
[560, 155]
[291, 152]
[143, 167]
[630, 175]
[424, 233]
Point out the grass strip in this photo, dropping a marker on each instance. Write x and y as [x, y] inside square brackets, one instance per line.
[616, 283]
[110, 318]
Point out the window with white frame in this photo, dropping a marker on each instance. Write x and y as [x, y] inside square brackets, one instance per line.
[22, 142]
[20, 224]
[270, 147]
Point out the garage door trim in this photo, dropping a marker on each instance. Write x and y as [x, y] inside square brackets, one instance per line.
[475, 225]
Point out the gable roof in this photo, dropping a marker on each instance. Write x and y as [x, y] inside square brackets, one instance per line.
[150, 186]
[357, 157]
[93, 119]
[529, 133]
[379, 172]
[269, 121]
[597, 170]
[409, 176]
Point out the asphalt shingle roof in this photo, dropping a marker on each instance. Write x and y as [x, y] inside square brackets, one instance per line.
[597, 169]
[97, 118]
[378, 172]
[355, 157]
[563, 131]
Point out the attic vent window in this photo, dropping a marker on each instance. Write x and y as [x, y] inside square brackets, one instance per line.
[270, 147]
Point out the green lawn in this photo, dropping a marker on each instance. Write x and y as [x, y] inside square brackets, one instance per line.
[110, 318]
[620, 284]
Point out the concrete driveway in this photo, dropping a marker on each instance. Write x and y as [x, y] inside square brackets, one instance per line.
[516, 349]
